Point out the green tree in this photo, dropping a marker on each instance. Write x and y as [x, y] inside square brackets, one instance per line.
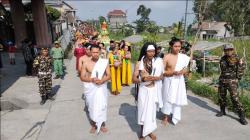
[189, 30]
[235, 12]
[53, 13]
[102, 19]
[178, 29]
[149, 37]
[128, 29]
[144, 20]
[152, 27]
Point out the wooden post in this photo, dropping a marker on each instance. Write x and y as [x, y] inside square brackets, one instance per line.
[204, 64]
[43, 39]
[17, 15]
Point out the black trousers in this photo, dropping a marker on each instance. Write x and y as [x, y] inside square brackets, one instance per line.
[29, 65]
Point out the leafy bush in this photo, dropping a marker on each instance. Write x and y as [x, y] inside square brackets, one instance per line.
[135, 54]
[116, 35]
[148, 37]
[203, 90]
[196, 76]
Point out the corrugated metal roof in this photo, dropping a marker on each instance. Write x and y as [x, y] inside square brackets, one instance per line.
[210, 25]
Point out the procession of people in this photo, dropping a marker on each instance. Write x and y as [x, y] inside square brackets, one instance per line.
[159, 79]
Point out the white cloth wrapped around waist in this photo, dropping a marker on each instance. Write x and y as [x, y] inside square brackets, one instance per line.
[147, 100]
[174, 89]
[158, 68]
[158, 71]
[96, 99]
[97, 95]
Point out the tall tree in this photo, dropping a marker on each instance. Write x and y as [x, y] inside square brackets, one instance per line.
[144, 20]
[178, 29]
[152, 27]
[102, 19]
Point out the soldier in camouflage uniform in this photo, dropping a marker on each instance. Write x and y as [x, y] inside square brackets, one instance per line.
[232, 70]
[43, 63]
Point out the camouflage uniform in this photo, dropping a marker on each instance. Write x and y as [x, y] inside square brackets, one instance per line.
[44, 65]
[231, 73]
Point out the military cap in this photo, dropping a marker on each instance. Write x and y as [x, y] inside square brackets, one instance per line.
[228, 46]
[56, 42]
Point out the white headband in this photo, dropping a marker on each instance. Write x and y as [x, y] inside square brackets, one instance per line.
[89, 47]
[150, 47]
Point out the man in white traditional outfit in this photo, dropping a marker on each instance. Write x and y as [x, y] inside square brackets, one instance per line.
[149, 97]
[174, 89]
[95, 74]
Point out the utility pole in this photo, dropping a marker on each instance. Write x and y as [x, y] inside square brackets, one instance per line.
[185, 24]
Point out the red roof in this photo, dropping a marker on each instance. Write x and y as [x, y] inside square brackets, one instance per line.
[116, 13]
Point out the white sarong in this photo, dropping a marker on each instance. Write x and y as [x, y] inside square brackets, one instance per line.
[174, 90]
[158, 69]
[147, 109]
[147, 102]
[97, 95]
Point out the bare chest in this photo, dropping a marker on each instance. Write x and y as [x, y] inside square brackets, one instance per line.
[89, 67]
[171, 62]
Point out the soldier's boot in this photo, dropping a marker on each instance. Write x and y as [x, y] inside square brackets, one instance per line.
[222, 111]
[242, 120]
[44, 98]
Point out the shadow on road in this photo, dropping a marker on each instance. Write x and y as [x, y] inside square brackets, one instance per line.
[129, 112]
[201, 103]
[205, 105]
[9, 74]
[55, 89]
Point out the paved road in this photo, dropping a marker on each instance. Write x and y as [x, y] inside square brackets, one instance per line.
[65, 118]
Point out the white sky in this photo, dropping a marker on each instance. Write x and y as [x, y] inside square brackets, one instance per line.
[162, 12]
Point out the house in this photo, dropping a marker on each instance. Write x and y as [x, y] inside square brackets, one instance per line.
[66, 10]
[116, 19]
[62, 27]
[213, 30]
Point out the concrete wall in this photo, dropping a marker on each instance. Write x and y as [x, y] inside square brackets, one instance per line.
[117, 21]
